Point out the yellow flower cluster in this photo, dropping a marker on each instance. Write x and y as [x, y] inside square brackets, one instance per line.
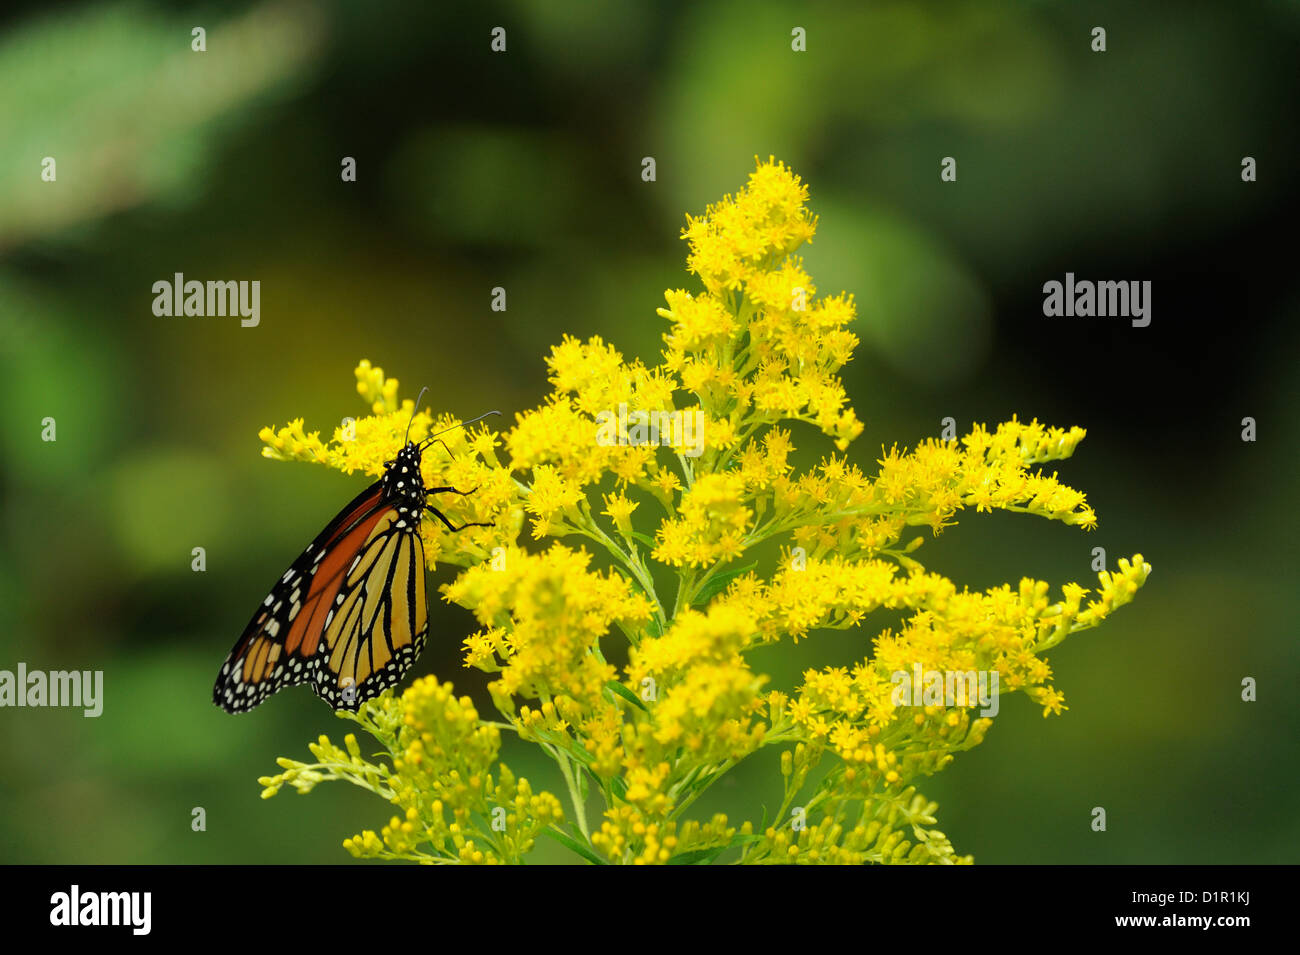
[626, 836]
[558, 611]
[740, 238]
[710, 694]
[451, 807]
[757, 346]
[712, 524]
[676, 474]
[880, 835]
[460, 458]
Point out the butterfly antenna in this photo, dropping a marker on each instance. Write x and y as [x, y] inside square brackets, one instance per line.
[414, 411]
[455, 426]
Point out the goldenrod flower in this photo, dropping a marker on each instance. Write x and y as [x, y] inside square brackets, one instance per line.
[757, 346]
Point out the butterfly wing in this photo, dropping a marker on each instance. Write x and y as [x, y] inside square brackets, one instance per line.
[281, 645]
[379, 621]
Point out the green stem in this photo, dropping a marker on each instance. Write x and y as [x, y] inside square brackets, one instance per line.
[688, 471]
[713, 778]
[636, 568]
[685, 591]
[579, 807]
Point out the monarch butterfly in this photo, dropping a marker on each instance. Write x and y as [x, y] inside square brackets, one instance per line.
[349, 615]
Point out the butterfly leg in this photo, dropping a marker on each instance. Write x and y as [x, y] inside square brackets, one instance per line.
[448, 490]
[450, 526]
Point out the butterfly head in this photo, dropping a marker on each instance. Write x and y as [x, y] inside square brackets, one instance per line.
[403, 483]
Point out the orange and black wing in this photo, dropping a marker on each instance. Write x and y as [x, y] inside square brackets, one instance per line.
[379, 621]
[348, 616]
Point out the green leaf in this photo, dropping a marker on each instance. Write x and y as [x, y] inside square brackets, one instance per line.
[719, 583]
[567, 745]
[614, 686]
[698, 856]
[619, 787]
[573, 844]
[705, 856]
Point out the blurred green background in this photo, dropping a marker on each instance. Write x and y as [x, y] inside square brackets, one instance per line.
[522, 170]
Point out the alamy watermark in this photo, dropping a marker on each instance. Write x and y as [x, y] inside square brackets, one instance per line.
[681, 430]
[83, 688]
[1085, 299]
[75, 907]
[922, 687]
[179, 297]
